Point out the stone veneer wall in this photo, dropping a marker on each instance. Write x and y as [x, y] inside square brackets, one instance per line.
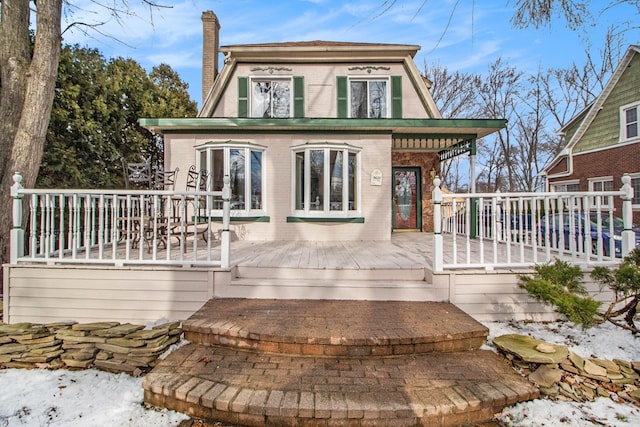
[109, 346]
[427, 162]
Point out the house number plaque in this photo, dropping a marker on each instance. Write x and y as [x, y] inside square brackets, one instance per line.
[376, 177]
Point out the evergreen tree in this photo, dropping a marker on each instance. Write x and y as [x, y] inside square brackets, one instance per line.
[94, 121]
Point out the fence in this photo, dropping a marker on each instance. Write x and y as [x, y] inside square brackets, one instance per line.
[120, 227]
[490, 230]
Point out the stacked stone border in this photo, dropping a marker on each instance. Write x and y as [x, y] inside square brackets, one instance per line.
[108, 346]
[561, 374]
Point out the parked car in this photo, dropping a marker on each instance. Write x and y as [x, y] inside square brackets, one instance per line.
[580, 231]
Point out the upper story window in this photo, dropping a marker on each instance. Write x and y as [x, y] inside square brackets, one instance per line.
[271, 98]
[244, 165]
[369, 98]
[629, 121]
[326, 180]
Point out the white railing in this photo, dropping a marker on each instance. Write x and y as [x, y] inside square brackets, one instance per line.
[120, 226]
[494, 230]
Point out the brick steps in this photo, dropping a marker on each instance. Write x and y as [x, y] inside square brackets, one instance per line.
[334, 363]
[253, 389]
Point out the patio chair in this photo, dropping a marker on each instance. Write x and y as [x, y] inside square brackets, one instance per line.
[137, 175]
[165, 180]
[188, 227]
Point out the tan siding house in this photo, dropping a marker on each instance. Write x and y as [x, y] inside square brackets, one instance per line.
[321, 140]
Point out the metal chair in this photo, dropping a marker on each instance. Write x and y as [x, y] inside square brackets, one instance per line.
[165, 180]
[137, 175]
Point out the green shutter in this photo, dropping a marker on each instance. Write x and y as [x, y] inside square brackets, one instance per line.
[396, 97]
[298, 96]
[243, 97]
[341, 86]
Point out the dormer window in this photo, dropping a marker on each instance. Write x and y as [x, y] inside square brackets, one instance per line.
[368, 98]
[271, 98]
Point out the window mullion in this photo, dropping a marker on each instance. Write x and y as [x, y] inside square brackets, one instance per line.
[326, 185]
[248, 195]
[345, 181]
[307, 181]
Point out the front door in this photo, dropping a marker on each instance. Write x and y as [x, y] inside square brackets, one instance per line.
[407, 199]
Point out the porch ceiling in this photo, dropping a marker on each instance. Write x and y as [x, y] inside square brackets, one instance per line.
[438, 131]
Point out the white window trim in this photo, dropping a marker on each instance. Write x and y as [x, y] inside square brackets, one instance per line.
[553, 184]
[635, 176]
[605, 200]
[623, 123]
[288, 78]
[326, 212]
[227, 146]
[369, 78]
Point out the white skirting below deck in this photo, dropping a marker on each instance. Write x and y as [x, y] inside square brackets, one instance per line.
[399, 269]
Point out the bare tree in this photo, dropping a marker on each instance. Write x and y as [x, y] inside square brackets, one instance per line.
[27, 83]
[455, 95]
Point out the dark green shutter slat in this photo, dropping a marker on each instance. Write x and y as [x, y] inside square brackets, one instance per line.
[341, 86]
[243, 97]
[298, 96]
[396, 97]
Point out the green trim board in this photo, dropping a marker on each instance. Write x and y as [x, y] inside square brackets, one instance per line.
[263, 218]
[359, 220]
[476, 127]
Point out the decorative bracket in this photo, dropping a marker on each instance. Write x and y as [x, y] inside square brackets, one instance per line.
[271, 69]
[369, 68]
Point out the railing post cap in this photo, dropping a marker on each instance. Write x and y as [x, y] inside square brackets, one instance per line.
[626, 179]
[437, 181]
[17, 178]
[17, 185]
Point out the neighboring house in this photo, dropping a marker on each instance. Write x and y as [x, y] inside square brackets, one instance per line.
[603, 141]
[321, 140]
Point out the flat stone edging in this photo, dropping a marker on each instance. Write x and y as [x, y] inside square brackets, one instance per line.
[108, 346]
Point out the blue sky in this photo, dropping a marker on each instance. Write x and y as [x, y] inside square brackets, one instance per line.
[465, 35]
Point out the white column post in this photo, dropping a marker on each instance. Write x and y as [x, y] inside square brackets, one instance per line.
[628, 235]
[17, 232]
[438, 256]
[225, 238]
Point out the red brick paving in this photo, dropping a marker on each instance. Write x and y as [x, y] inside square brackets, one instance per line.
[319, 384]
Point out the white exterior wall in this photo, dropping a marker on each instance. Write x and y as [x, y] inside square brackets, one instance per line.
[375, 200]
[320, 87]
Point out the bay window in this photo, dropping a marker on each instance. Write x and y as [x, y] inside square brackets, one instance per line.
[326, 180]
[243, 163]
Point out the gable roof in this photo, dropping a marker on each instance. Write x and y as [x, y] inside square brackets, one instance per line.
[314, 52]
[593, 110]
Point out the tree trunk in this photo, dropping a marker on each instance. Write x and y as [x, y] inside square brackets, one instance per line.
[28, 84]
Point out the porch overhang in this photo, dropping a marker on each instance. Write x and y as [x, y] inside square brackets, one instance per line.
[439, 133]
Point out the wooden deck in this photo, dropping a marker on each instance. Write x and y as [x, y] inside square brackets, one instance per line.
[402, 251]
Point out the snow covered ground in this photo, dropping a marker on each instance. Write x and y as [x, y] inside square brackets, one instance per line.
[94, 398]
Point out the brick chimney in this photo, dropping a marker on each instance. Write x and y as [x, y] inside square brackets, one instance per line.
[210, 49]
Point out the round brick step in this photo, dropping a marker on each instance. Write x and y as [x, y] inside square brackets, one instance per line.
[335, 327]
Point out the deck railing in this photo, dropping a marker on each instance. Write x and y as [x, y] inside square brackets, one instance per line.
[120, 227]
[524, 229]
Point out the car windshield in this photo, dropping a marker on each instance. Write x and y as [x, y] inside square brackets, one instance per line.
[606, 221]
